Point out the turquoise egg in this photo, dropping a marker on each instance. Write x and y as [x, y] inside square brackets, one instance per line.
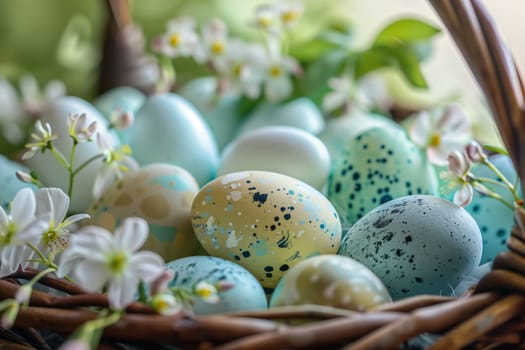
[377, 166]
[168, 129]
[301, 113]
[246, 295]
[495, 220]
[9, 183]
[222, 113]
[123, 98]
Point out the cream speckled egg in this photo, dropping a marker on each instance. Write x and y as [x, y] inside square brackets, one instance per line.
[265, 221]
[162, 195]
[332, 280]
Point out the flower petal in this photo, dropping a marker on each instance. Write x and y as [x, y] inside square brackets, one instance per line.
[91, 275]
[421, 129]
[132, 234]
[74, 218]
[23, 207]
[54, 200]
[146, 265]
[121, 292]
[464, 195]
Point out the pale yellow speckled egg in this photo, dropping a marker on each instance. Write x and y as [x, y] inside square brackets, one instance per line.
[332, 280]
[162, 195]
[264, 221]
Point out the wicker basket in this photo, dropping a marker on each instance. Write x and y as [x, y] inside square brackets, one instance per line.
[489, 316]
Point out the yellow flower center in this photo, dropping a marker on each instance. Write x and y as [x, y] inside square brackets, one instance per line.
[264, 22]
[6, 237]
[174, 40]
[275, 71]
[217, 47]
[237, 69]
[117, 262]
[435, 140]
[289, 16]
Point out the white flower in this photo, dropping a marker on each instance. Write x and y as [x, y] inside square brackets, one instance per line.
[290, 12]
[121, 120]
[17, 228]
[180, 39]
[33, 99]
[96, 258]
[442, 136]
[277, 83]
[78, 128]
[214, 44]
[117, 161]
[345, 94]
[42, 140]
[56, 202]
[207, 292]
[267, 18]
[244, 69]
[458, 177]
[165, 304]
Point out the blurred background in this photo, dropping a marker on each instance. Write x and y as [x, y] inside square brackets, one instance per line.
[57, 39]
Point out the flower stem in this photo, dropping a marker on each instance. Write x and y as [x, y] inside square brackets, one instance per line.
[500, 175]
[86, 163]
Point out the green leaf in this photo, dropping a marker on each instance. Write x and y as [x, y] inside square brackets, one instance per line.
[371, 60]
[407, 30]
[312, 49]
[496, 149]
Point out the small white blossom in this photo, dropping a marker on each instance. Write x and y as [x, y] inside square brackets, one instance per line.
[290, 12]
[165, 304]
[97, 259]
[56, 202]
[78, 128]
[214, 46]
[207, 292]
[121, 120]
[42, 140]
[345, 94]
[458, 178]
[267, 18]
[441, 136]
[475, 152]
[35, 100]
[180, 39]
[279, 69]
[17, 228]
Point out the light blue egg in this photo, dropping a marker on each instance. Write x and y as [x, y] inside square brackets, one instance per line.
[222, 113]
[495, 220]
[376, 166]
[9, 183]
[301, 113]
[247, 294]
[123, 98]
[168, 129]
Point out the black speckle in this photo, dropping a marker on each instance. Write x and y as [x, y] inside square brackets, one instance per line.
[246, 254]
[337, 187]
[382, 222]
[268, 268]
[284, 267]
[500, 233]
[356, 176]
[408, 239]
[260, 197]
[419, 280]
[385, 198]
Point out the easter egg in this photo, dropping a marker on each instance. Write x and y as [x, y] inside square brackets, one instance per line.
[301, 113]
[168, 129]
[221, 112]
[265, 221]
[281, 149]
[122, 99]
[378, 165]
[332, 280]
[339, 131]
[50, 171]
[494, 219]
[246, 294]
[9, 183]
[162, 195]
[416, 244]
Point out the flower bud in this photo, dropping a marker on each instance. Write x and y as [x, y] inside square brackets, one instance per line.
[475, 152]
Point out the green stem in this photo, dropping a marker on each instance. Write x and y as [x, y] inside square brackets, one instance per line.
[70, 168]
[86, 163]
[507, 183]
[486, 191]
[43, 259]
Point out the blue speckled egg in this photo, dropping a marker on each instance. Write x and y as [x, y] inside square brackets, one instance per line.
[168, 129]
[332, 280]
[9, 183]
[265, 221]
[495, 220]
[246, 295]
[416, 245]
[162, 195]
[378, 165]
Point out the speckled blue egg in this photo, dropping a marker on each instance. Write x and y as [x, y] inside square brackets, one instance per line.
[416, 244]
[378, 165]
[246, 295]
[265, 221]
[168, 129]
[9, 183]
[495, 220]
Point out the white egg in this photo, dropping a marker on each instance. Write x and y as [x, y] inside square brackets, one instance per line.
[301, 113]
[168, 129]
[281, 149]
[49, 169]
